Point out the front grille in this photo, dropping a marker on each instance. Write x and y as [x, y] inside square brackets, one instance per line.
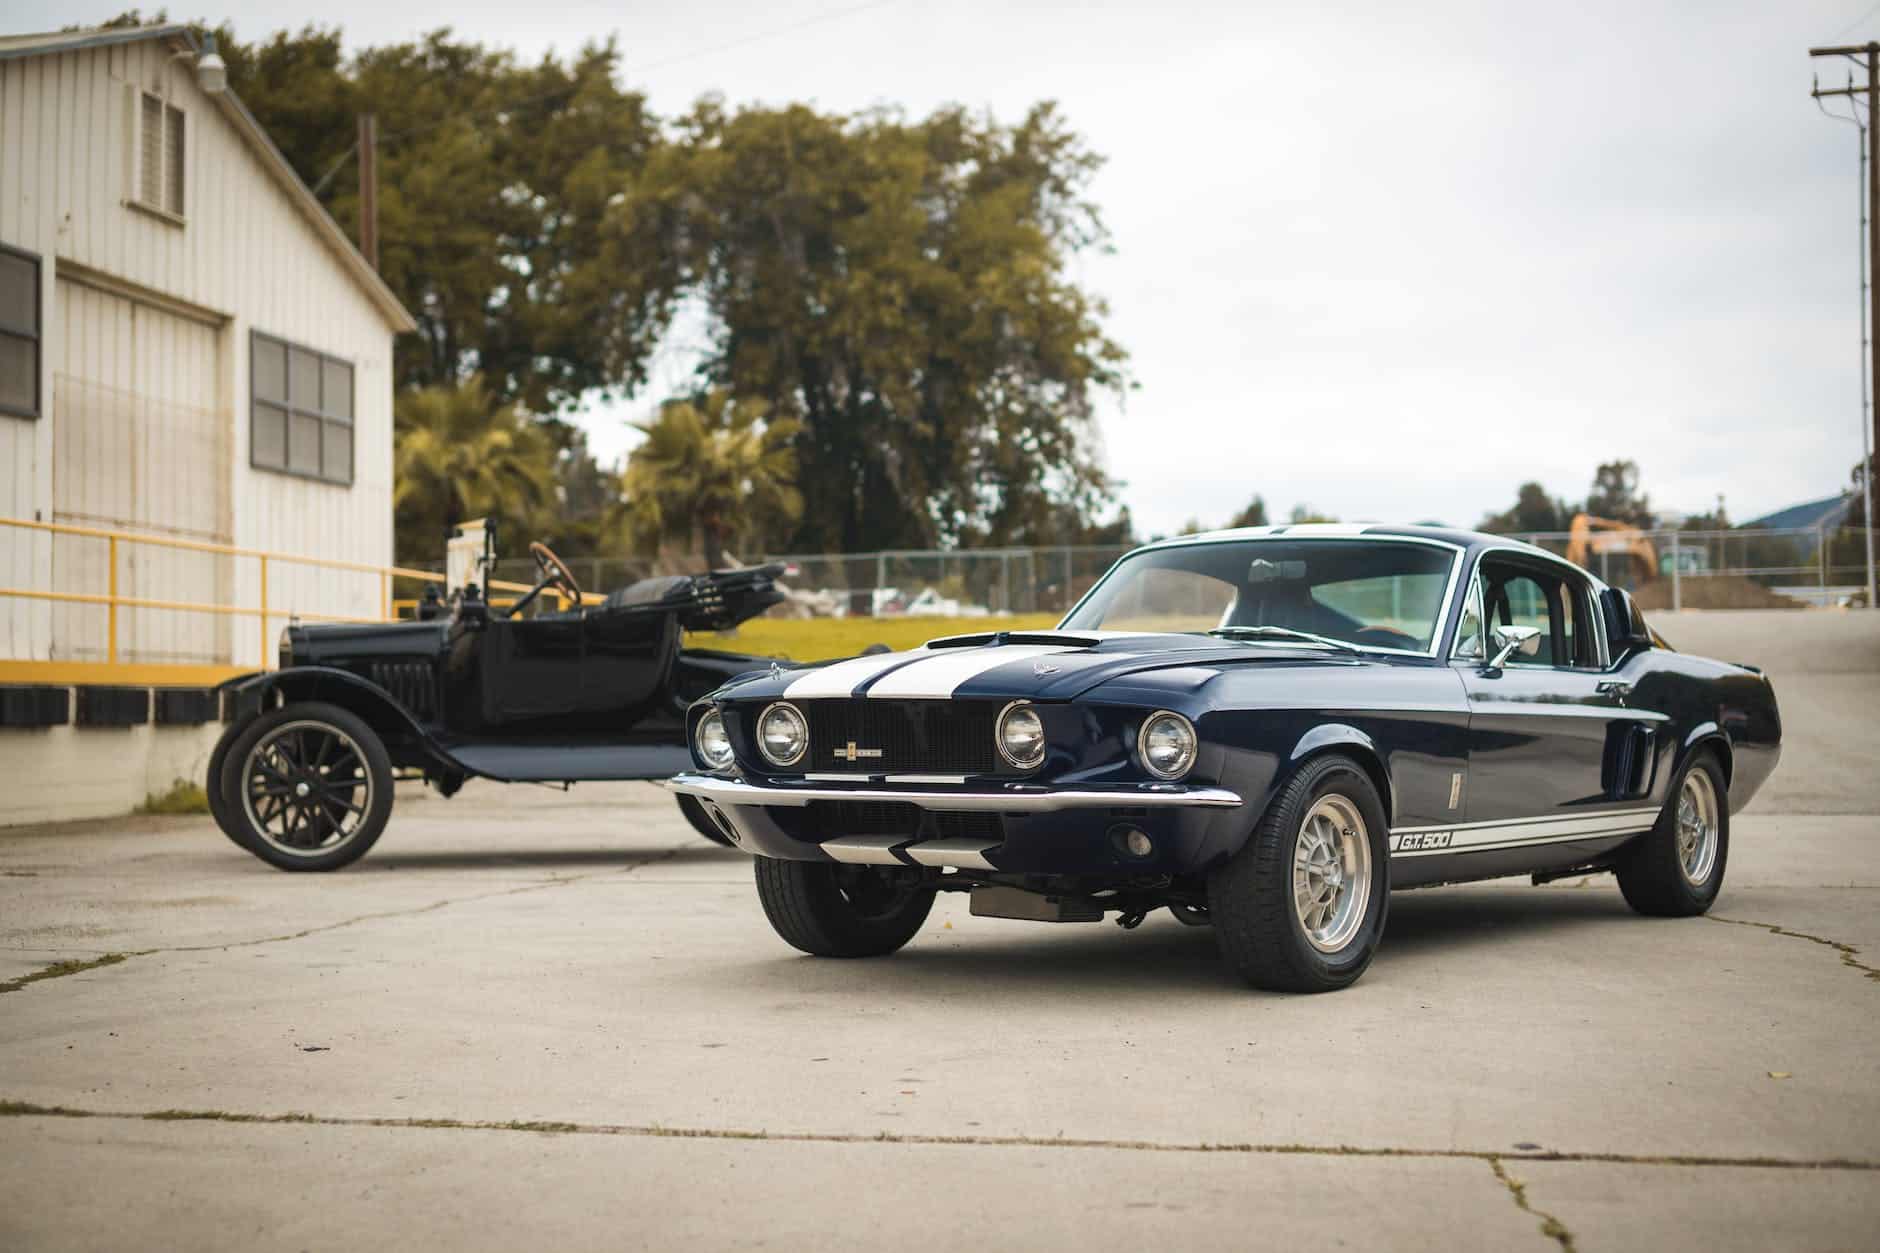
[919, 736]
[411, 684]
[824, 820]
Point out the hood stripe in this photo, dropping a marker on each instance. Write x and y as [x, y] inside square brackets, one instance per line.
[937, 677]
[844, 677]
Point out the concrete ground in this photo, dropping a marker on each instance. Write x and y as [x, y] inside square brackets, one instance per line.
[560, 1021]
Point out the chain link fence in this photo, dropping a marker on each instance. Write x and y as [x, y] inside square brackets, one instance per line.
[1666, 569]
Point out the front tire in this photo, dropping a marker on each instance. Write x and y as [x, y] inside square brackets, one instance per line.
[219, 806]
[1301, 907]
[308, 787]
[832, 910]
[1677, 870]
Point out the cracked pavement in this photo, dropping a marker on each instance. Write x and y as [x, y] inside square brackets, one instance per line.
[561, 1020]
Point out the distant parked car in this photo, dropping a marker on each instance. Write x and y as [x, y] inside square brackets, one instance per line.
[1265, 730]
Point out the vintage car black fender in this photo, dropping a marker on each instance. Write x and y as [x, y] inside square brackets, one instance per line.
[1480, 766]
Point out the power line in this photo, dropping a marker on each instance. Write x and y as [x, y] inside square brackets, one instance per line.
[1863, 17]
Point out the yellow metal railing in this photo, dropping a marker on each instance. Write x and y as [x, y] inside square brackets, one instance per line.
[113, 600]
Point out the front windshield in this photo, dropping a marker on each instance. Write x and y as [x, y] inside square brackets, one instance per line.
[1372, 593]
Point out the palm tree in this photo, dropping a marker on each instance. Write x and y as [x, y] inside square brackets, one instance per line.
[711, 468]
[459, 454]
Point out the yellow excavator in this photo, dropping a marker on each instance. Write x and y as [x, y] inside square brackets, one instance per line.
[1591, 537]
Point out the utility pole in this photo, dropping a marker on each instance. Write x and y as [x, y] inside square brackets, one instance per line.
[1870, 307]
[369, 188]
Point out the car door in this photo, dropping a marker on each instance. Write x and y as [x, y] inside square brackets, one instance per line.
[1548, 732]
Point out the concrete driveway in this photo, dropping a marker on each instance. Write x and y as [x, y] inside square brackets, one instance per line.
[560, 1021]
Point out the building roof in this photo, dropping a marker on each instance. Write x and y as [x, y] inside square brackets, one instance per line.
[1828, 512]
[13, 47]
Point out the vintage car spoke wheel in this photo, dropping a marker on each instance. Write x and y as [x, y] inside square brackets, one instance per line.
[1676, 870]
[310, 786]
[1332, 873]
[832, 910]
[1301, 906]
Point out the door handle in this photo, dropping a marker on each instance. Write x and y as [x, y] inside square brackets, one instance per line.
[1614, 687]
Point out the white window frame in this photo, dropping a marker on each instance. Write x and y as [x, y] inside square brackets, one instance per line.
[166, 178]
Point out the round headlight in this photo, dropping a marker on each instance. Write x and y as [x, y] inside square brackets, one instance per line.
[714, 744]
[782, 734]
[1021, 736]
[1167, 745]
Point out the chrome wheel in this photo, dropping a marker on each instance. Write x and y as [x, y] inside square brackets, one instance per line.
[1697, 826]
[1331, 873]
[305, 788]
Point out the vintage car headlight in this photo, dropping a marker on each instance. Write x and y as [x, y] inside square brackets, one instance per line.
[1167, 744]
[714, 743]
[782, 734]
[1021, 736]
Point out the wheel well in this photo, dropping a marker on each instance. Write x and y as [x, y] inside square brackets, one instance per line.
[1719, 745]
[1367, 760]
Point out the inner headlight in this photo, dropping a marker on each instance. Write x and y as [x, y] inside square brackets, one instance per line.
[1021, 736]
[714, 744]
[782, 734]
[1167, 744]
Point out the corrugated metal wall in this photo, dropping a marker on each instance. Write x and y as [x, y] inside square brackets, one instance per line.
[146, 367]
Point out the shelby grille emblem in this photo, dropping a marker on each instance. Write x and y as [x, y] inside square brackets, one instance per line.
[849, 752]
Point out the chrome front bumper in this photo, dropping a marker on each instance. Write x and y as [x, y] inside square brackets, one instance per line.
[1013, 798]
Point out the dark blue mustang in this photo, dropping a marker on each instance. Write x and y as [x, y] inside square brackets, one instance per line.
[1264, 730]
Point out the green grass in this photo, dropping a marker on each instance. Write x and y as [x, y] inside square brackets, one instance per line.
[183, 797]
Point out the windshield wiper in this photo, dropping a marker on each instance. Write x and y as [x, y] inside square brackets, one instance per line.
[1280, 632]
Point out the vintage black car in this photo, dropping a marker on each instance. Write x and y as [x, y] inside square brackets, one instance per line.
[303, 775]
[1265, 730]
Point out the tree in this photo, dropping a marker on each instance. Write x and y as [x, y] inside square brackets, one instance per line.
[1253, 515]
[903, 291]
[1533, 510]
[1615, 495]
[459, 454]
[712, 469]
[501, 194]
[1306, 513]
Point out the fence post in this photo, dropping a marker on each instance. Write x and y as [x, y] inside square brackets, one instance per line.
[111, 625]
[1821, 557]
[385, 595]
[1677, 579]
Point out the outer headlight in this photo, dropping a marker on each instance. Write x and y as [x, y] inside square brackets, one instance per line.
[712, 741]
[1020, 736]
[1167, 745]
[783, 734]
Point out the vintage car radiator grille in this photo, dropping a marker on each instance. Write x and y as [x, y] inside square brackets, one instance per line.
[928, 736]
[411, 684]
[823, 820]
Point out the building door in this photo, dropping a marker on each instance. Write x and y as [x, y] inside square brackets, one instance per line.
[141, 443]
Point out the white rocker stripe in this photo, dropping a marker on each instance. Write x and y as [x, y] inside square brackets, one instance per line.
[1475, 837]
[842, 678]
[939, 676]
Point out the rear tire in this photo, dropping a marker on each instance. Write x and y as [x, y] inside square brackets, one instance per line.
[347, 797]
[831, 910]
[219, 807]
[694, 811]
[1677, 870]
[1301, 906]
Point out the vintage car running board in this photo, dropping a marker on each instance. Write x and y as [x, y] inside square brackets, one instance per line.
[570, 763]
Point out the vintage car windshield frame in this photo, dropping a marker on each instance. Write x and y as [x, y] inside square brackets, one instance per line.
[1443, 618]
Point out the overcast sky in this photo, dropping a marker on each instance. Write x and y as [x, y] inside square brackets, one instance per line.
[1387, 260]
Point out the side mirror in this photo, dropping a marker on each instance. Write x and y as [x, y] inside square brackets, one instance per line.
[1625, 623]
[1510, 640]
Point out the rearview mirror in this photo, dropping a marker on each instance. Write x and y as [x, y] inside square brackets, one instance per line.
[1510, 640]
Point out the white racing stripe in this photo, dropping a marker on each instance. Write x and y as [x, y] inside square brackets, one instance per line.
[939, 676]
[1473, 837]
[842, 678]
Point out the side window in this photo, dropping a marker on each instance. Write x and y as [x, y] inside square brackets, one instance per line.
[1518, 598]
[1577, 605]
[19, 333]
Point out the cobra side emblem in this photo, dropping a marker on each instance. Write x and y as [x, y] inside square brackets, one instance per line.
[849, 752]
[1042, 668]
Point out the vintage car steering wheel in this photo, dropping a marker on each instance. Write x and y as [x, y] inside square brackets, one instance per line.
[554, 573]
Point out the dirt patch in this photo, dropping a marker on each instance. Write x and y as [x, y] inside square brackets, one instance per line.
[1722, 591]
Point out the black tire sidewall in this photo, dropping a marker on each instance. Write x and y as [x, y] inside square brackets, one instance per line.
[1652, 880]
[377, 763]
[806, 907]
[1347, 779]
[212, 785]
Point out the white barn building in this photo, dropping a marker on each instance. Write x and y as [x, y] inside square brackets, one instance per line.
[190, 347]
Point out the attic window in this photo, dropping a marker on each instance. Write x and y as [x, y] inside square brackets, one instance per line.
[160, 152]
